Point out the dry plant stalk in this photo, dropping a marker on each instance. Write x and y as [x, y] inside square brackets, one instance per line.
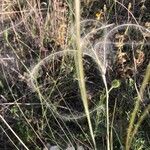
[7, 9]
[59, 22]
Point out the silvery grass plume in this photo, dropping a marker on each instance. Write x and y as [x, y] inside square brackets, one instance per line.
[92, 48]
[92, 43]
[96, 43]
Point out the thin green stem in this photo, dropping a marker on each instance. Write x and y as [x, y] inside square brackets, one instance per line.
[107, 111]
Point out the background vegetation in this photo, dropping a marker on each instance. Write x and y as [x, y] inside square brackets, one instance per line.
[74, 74]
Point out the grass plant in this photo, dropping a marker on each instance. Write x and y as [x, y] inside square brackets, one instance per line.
[74, 74]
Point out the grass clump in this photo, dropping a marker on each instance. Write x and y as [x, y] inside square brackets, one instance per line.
[74, 74]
